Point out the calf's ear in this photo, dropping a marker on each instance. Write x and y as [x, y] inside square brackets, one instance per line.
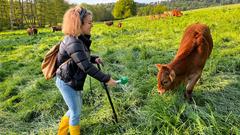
[172, 75]
[159, 66]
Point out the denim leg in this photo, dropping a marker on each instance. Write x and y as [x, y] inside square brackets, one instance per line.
[73, 100]
[67, 113]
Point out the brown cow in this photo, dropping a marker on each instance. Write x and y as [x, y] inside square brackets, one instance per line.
[157, 17]
[151, 17]
[109, 23]
[176, 12]
[119, 24]
[56, 28]
[32, 30]
[168, 13]
[187, 66]
[163, 16]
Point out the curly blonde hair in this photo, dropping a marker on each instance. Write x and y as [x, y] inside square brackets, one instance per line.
[72, 22]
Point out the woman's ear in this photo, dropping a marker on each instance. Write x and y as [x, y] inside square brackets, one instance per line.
[159, 66]
[172, 75]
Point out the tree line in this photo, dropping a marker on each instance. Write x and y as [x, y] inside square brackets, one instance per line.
[195, 4]
[19, 14]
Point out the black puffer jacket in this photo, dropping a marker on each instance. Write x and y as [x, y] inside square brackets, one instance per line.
[74, 72]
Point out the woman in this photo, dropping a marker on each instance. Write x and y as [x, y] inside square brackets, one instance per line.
[76, 63]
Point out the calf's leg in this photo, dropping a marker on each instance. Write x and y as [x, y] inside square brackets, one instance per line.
[192, 80]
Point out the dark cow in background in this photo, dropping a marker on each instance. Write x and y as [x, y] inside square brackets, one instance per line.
[195, 48]
[119, 25]
[32, 30]
[109, 23]
[56, 28]
[176, 12]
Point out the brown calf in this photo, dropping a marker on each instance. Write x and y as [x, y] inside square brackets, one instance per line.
[119, 25]
[176, 12]
[56, 28]
[109, 23]
[187, 66]
[32, 30]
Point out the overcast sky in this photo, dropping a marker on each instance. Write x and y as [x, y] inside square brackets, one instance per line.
[106, 1]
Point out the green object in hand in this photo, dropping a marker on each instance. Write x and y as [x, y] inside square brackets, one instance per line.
[123, 80]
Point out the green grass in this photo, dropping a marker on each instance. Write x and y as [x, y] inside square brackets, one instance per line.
[31, 105]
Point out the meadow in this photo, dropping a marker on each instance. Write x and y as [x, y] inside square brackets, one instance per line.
[29, 104]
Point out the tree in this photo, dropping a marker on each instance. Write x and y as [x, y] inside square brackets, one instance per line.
[4, 14]
[158, 9]
[101, 12]
[18, 14]
[11, 13]
[151, 9]
[124, 9]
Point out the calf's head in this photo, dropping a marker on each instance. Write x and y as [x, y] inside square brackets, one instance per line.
[165, 78]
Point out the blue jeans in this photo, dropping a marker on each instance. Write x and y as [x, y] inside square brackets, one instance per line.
[73, 99]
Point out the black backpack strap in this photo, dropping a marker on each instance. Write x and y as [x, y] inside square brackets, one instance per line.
[65, 50]
[63, 46]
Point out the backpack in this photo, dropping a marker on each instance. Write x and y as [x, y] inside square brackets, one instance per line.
[49, 64]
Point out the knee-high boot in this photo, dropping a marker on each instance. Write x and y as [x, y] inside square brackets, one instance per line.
[63, 126]
[74, 130]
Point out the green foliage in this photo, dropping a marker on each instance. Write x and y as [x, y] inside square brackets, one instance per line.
[4, 19]
[27, 13]
[101, 12]
[151, 10]
[53, 11]
[124, 9]
[31, 105]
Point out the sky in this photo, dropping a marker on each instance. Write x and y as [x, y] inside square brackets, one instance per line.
[106, 1]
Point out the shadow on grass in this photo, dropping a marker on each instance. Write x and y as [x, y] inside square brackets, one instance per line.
[223, 100]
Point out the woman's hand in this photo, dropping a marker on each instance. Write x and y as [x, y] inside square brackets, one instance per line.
[111, 83]
[98, 61]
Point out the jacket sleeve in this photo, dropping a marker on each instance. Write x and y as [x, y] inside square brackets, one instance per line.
[93, 58]
[77, 52]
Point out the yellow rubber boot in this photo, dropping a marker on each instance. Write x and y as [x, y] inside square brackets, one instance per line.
[63, 126]
[74, 130]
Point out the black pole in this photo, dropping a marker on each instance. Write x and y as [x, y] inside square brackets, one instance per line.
[109, 98]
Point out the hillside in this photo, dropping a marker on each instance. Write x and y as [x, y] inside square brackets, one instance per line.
[196, 4]
[31, 105]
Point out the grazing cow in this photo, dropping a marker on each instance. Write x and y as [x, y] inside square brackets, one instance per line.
[56, 28]
[168, 13]
[157, 17]
[32, 30]
[176, 12]
[119, 24]
[109, 23]
[154, 17]
[187, 66]
[163, 16]
[151, 17]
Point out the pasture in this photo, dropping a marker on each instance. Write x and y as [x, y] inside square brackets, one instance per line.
[31, 105]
